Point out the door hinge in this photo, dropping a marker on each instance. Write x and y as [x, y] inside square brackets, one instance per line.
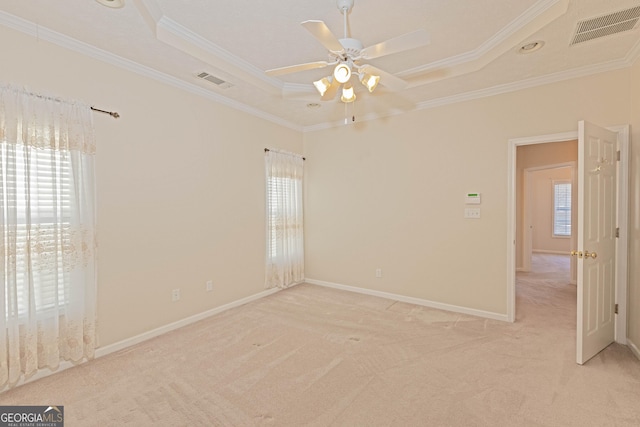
[615, 309]
[617, 231]
[618, 155]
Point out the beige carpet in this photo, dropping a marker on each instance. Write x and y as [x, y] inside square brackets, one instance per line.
[321, 357]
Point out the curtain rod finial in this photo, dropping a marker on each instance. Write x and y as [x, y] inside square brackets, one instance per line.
[113, 114]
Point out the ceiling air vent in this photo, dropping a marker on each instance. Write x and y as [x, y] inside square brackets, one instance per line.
[606, 25]
[215, 80]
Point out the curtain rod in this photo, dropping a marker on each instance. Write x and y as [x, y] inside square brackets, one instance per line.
[57, 99]
[282, 152]
[113, 114]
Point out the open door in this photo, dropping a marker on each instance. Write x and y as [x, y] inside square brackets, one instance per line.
[597, 163]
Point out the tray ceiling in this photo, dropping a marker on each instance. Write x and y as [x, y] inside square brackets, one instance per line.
[474, 49]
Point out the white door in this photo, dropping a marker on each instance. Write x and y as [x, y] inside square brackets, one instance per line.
[597, 162]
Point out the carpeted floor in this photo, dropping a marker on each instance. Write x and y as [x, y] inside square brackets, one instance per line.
[322, 357]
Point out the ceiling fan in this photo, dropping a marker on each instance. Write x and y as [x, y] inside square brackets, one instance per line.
[349, 56]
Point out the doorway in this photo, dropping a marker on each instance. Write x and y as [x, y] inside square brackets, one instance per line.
[547, 218]
[621, 219]
[545, 296]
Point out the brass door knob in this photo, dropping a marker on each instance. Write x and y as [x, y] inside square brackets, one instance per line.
[576, 253]
[588, 254]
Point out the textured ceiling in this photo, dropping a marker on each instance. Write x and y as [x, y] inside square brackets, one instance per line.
[473, 50]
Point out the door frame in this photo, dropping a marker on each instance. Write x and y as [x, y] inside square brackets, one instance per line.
[622, 220]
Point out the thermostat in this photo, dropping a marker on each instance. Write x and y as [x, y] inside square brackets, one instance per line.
[472, 199]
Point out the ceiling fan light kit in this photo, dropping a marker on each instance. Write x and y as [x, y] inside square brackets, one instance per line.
[322, 85]
[342, 73]
[369, 81]
[348, 94]
[348, 55]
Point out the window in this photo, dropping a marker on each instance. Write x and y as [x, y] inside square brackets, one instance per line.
[47, 233]
[561, 209]
[280, 191]
[41, 189]
[285, 241]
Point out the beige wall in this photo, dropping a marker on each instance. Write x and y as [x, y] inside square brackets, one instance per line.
[180, 182]
[181, 191]
[634, 217]
[531, 157]
[542, 211]
[389, 194]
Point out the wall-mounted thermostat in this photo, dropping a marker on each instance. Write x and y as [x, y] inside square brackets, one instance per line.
[472, 199]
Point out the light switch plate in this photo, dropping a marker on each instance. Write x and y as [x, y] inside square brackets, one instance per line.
[473, 213]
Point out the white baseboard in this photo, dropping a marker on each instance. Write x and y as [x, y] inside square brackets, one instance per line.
[634, 348]
[412, 300]
[111, 348]
[41, 373]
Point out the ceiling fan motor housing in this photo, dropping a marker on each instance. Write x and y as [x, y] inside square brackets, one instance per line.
[352, 47]
[345, 5]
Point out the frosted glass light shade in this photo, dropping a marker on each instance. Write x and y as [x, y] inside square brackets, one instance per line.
[322, 85]
[370, 81]
[348, 95]
[342, 73]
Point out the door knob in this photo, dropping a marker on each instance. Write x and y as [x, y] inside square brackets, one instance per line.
[576, 253]
[588, 254]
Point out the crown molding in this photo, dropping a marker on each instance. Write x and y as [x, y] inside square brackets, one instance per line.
[628, 61]
[18, 24]
[180, 37]
[527, 84]
[34, 30]
[634, 54]
[529, 16]
[67, 42]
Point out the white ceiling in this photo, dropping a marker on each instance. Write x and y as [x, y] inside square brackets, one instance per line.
[473, 50]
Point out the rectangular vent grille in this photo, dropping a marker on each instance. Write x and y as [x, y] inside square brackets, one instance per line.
[215, 80]
[606, 25]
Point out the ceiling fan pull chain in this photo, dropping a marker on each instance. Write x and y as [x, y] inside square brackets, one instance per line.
[346, 119]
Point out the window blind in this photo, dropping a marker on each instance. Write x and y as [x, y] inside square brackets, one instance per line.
[284, 219]
[37, 189]
[280, 190]
[562, 209]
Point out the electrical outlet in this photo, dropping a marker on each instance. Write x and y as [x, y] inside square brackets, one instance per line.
[175, 295]
[378, 272]
[209, 285]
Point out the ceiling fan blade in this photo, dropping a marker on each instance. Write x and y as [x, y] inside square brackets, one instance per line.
[324, 35]
[407, 41]
[296, 68]
[394, 83]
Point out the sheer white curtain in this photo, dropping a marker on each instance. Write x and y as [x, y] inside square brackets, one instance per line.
[47, 229]
[285, 238]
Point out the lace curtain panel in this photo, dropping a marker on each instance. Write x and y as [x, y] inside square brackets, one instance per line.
[285, 237]
[47, 228]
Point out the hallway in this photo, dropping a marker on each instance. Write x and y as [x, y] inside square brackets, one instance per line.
[547, 287]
